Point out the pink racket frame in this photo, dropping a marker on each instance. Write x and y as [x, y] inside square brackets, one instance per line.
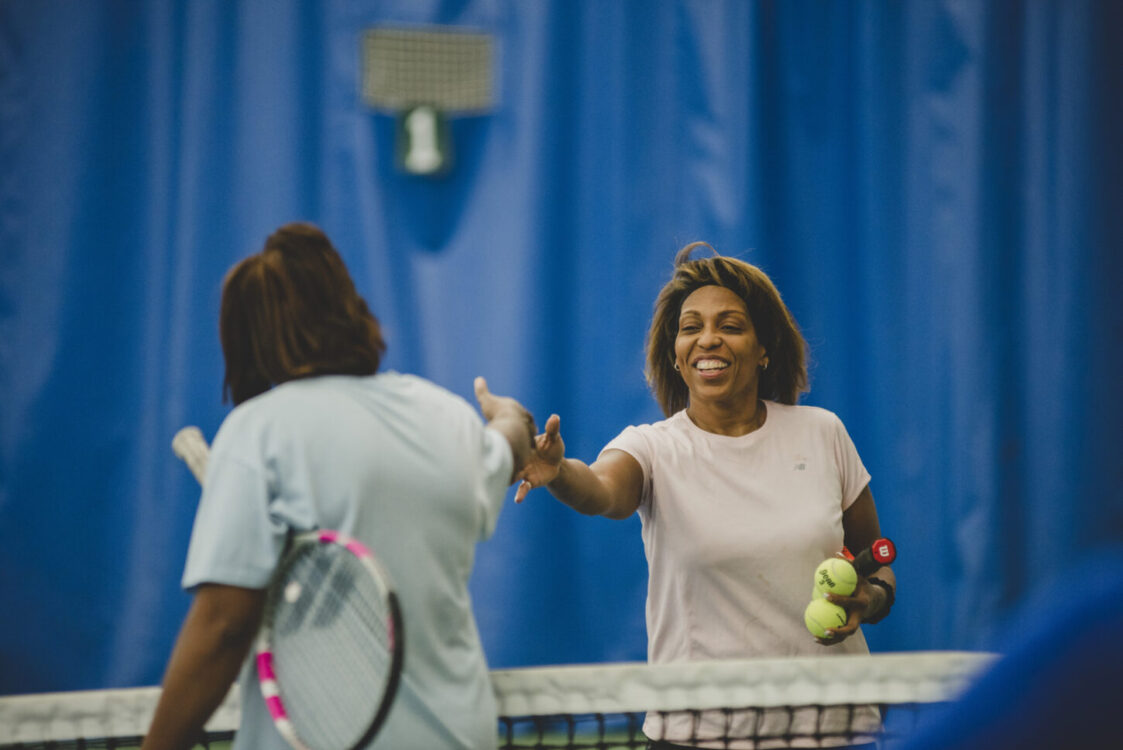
[267, 677]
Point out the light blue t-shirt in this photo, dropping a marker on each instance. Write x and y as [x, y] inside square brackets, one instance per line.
[407, 468]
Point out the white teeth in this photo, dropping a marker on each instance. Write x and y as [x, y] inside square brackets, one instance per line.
[711, 364]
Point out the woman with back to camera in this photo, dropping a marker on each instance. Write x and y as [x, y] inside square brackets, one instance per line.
[319, 438]
[741, 493]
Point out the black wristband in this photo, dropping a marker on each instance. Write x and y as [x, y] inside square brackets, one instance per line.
[890, 597]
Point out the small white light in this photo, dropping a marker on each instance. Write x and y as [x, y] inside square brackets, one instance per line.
[423, 143]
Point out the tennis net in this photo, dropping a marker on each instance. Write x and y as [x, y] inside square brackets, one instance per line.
[757, 703]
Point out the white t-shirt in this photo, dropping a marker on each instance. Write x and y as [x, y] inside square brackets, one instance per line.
[734, 527]
[402, 465]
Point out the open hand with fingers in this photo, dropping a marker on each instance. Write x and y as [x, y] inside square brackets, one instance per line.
[545, 462]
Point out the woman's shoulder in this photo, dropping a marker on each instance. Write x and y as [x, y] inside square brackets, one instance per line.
[390, 383]
[671, 424]
[654, 436]
[417, 387]
[406, 384]
[297, 406]
[803, 414]
[245, 424]
[293, 399]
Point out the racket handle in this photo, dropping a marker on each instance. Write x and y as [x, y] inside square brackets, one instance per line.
[881, 552]
[191, 447]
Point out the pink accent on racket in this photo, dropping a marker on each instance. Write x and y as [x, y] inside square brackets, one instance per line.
[276, 708]
[265, 666]
[357, 549]
[353, 545]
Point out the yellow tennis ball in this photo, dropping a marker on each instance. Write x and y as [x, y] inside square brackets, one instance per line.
[821, 614]
[836, 576]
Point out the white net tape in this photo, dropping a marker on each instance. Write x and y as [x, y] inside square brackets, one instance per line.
[620, 688]
[896, 678]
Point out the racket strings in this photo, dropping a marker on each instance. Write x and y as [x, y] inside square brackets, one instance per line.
[332, 646]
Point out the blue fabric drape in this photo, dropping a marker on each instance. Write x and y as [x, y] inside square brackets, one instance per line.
[934, 186]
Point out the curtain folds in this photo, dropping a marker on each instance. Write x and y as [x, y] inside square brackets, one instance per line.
[933, 186]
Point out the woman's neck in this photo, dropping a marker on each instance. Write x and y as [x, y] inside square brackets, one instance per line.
[721, 420]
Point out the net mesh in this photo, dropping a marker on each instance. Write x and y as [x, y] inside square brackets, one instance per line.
[759, 703]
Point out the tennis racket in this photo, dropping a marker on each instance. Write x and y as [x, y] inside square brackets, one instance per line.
[330, 650]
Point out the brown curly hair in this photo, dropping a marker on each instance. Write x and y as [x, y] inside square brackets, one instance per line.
[292, 311]
[776, 329]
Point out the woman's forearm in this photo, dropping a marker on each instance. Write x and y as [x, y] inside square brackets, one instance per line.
[578, 487]
[216, 636]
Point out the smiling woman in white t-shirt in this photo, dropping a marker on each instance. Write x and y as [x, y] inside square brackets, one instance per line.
[741, 492]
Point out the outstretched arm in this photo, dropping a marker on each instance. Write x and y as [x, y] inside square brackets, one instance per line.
[611, 486]
[508, 417]
[216, 636]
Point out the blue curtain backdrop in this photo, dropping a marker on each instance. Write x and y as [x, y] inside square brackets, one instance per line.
[934, 186]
